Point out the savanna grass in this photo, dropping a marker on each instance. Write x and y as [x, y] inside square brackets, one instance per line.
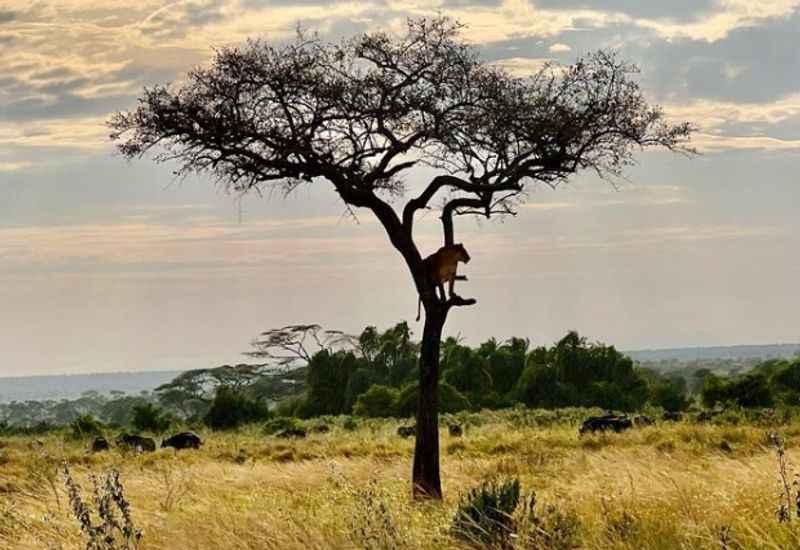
[668, 486]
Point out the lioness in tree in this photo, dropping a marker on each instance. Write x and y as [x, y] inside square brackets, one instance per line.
[441, 266]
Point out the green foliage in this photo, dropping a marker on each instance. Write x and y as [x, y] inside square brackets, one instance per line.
[669, 395]
[86, 426]
[576, 373]
[484, 518]
[450, 400]
[326, 381]
[377, 402]
[747, 390]
[350, 424]
[232, 408]
[149, 418]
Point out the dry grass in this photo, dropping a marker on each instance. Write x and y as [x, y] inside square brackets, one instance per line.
[662, 487]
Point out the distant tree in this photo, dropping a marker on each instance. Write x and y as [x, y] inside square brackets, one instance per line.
[147, 417]
[377, 402]
[327, 381]
[362, 113]
[577, 373]
[450, 400]
[746, 390]
[231, 409]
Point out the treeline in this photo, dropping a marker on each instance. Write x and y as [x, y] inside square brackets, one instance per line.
[769, 384]
[379, 377]
[307, 372]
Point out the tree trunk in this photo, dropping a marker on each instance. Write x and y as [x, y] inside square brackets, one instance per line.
[426, 479]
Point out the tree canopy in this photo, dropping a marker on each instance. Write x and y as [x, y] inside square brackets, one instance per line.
[361, 112]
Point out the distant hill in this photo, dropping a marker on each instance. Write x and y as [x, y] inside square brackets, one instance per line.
[40, 388]
[682, 355]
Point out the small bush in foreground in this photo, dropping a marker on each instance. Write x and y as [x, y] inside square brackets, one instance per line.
[485, 514]
[111, 532]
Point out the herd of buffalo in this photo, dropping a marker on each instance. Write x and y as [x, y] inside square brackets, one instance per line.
[189, 440]
[183, 440]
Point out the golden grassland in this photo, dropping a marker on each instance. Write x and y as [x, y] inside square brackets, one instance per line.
[667, 486]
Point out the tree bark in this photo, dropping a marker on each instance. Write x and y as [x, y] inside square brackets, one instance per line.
[426, 478]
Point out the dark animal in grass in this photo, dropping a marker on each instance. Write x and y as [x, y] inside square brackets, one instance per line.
[136, 443]
[605, 423]
[455, 430]
[321, 429]
[406, 431]
[672, 416]
[642, 420]
[705, 416]
[292, 432]
[183, 440]
[100, 444]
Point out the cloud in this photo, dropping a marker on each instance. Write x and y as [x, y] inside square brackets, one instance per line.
[13, 166]
[274, 244]
[559, 48]
[712, 143]
[83, 134]
[521, 66]
[7, 16]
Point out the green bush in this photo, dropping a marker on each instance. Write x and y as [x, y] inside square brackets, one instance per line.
[149, 418]
[231, 409]
[86, 426]
[350, 424]
[485, 515]
[377, 402]
[450, 400]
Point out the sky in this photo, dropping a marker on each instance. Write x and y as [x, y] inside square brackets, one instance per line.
[113, 265]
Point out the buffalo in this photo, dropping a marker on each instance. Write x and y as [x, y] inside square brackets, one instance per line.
[137, 443]
[605, 423]
[406, 431]
[183, 440]
[292, 432]
[455, 430]
[100, 444]
[705, 416]
[672, 416]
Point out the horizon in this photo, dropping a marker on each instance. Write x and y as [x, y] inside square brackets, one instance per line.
[106, 262]
[623, 351]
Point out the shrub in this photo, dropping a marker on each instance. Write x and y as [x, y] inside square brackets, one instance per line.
[377, 402]
[231, 409]
[450, 400]
[149, 418]
[350, 424]
[86, 426]
[111, 532]
[484, 517]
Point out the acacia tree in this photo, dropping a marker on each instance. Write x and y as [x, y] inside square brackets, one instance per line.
[362, 113]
